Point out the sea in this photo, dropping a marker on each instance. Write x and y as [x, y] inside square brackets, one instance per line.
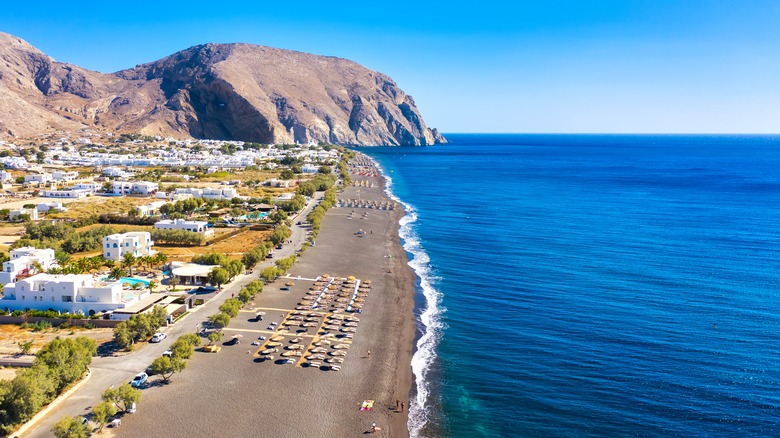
[593, 285]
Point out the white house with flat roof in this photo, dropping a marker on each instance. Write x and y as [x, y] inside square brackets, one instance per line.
[145, 188]
[43, 207]
[61, 175]
[67, 194]
[137, 243]
[150, 208]
[92, 187]
[41, 178]
[181, 224]
[141, 187]
[116, 172]
[32, 212]
[5, 176]
[22, 260]
[66, 293]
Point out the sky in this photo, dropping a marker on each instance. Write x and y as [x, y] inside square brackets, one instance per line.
[545, 66]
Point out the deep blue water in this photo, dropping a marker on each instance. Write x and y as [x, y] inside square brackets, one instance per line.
[596, 285]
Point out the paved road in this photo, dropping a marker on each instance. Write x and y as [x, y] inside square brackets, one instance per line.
[107, 371]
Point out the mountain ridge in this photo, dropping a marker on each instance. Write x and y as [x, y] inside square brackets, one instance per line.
[234, 91]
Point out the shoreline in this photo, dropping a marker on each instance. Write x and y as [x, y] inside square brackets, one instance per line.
[237, 393]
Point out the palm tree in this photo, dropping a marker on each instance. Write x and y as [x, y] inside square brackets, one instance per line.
[152, 285]
[109, 263]
[116, 273]
[62, 258]
[160, 258]
[128, 261]
[36, 266]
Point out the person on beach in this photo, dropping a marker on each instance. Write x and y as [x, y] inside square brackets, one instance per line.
[402, 406]
[397, 404]
[369, 354]
[373, 427]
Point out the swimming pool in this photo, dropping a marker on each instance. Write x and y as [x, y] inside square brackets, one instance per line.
[131, 281]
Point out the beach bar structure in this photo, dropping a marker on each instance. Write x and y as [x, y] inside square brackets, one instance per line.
[191, 273]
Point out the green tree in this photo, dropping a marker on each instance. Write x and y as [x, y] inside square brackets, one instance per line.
[287, 174]
[231, 306]
[190, 338]
[245, 296]
[123, 335]
[182, 348]
[214, 337]
[234, 267]
[219, 320]
[116, 273]
[125, 394]
[25, 347]
[173, 282]
[70, 427]
[102, 412]
[152, 285]
[128, 261]
[68, 359]
[62, 258]
[278, 216]
[167, 366]
[218, 277]
[251, 258]
[270, 273]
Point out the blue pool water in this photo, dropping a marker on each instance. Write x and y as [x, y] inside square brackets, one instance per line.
[594, 285]
[131, 281]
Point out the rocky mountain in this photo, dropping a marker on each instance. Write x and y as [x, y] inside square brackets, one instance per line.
[217, 91]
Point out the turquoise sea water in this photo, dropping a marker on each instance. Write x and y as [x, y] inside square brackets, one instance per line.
[594, 285]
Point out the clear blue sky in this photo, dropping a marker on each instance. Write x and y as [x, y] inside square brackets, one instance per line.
[708, 66]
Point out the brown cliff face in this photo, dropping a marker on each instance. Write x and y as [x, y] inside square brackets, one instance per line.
[216, 91]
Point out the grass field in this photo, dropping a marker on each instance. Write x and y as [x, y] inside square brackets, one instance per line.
[99, 205]
[234, 247]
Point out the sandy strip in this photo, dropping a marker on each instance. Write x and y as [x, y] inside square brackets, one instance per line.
[236, 393]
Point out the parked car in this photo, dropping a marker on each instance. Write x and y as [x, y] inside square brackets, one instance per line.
[139, 380]
[157, 337]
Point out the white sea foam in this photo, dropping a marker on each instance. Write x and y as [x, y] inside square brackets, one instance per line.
[425, 354]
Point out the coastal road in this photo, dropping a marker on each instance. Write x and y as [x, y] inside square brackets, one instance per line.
[117, 370]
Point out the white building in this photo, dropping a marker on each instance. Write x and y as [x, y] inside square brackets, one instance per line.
[127, 188]
[92, 187]
[72, 194]
[310, 168]
[65, 293]
[137, 243]
[5, 176]
[116, 172]
[43, 207]
[219, 193]
[22, 260]
[145, 188]
[181, 224]
[33, 212]
[61, 175]
[150, 208]
[41, 178]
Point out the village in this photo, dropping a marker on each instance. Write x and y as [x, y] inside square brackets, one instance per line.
[102, 236]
